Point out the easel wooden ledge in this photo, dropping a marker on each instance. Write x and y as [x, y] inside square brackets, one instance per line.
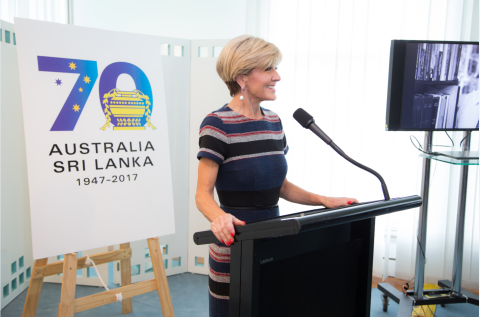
[69, 305]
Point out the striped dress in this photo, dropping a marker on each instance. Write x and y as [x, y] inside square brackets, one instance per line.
[252, 169]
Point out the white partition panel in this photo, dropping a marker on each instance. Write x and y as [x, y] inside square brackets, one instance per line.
[176, 67]
[16, 243]
[208, 93]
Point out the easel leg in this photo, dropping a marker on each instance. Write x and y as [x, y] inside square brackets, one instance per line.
[160, 277]
[33, 291]
[69, 278]
[126, 275]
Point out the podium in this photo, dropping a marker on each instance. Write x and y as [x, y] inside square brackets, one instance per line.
[317, 262]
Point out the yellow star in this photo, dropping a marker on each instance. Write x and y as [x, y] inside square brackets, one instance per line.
[76, 108]
[80, 89]
[86, 79]
[72, 66]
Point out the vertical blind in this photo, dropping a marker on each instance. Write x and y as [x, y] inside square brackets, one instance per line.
[335, 66]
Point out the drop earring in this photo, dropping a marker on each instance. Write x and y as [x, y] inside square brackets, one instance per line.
[243, 88]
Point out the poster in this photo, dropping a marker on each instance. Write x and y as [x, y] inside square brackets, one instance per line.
[96, 137]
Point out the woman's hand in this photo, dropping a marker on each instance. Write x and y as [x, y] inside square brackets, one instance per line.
[334, 202]
[295, 194]
[223, 228]
[222, 224]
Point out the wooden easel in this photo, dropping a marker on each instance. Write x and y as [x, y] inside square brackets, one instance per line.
[69, 305]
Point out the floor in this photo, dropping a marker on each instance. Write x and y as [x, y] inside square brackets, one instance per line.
[189, 298]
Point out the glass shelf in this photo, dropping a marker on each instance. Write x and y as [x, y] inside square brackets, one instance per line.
[450, 160]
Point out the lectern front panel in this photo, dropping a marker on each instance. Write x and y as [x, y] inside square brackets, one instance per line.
[289, 287]
[309, 274]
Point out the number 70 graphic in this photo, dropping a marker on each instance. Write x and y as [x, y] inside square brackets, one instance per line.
[88, 74]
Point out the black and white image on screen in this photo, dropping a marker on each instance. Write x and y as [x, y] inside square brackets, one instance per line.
[446, 94]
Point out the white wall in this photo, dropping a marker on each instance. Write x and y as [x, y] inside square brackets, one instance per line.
[188, 19]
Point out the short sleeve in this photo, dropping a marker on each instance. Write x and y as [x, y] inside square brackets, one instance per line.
[213, 139]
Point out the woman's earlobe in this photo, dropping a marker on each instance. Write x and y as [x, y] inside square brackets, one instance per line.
[239, 80]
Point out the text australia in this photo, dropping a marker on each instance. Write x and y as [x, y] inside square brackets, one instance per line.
[132, 158]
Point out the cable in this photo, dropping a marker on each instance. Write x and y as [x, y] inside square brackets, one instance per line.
[422, 250]
[406, 286]
[421, 147]
[453, 144]
[465, 137]
[424, 313]
[459, 293]
[428, 306]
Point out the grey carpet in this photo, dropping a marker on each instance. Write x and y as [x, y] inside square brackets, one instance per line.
[189, 298]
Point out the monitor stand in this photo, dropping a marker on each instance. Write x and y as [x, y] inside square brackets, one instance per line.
[460, 155]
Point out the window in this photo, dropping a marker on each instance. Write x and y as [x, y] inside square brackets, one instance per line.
[14, 284]
[199, 261]
[178, 51]
[164, 249]
[148, 267]
[136, 269]
[91, 273]
[6, 291]
[21, 278]
[14, 267]
[216, 51]
[147, 253]
[29, 272]
[176, 262]
[165, 264]
[202, 51]
[7, 36]
[165, 49]
[79, 273]
[20, 263]
[60, 257]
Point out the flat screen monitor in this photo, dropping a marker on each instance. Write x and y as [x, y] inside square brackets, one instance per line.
[433, 86]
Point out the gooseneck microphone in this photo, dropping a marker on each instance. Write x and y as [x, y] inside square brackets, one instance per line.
[307, 121]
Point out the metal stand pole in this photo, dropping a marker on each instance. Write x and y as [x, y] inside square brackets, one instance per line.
[422, 220]
[433, 296]
[462, 198]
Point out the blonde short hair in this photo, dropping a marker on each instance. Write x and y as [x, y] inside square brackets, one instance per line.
[241, 55]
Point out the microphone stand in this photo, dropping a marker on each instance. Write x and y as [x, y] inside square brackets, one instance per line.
[363, 167]
[301, 115]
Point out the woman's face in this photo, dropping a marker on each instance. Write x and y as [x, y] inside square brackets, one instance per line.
[260, 83]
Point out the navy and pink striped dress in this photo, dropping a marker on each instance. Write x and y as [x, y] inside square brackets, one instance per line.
[252, 169]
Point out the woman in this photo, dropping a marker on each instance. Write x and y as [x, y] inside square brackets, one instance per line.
[242, 153]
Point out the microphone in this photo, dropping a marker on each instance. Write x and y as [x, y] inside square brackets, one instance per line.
[307, 121]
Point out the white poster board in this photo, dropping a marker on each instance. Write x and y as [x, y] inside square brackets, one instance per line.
[96, 137]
